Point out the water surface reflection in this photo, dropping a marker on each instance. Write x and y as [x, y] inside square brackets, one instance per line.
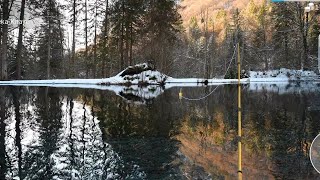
[58, 133]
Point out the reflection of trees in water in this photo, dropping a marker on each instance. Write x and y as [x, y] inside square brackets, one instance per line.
[60, 137]
[38, 161]
[141, 135]
[281, 128]
[94, 134]
[13, 108]
[120, 119]
[3, 117]
[277, 132]
[288, 147]
[11, 131]
[82, 153]
[15, 91]
[208, 135]
[153, 156]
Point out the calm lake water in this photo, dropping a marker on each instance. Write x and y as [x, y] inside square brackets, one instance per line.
[73, 133]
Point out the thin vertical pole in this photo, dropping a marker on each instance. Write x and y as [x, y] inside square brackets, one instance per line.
[239, 117]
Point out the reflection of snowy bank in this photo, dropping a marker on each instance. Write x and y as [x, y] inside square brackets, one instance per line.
[133, 93]
[286, 87]
[136, 94]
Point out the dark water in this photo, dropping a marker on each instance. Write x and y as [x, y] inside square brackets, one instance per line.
[65, 133]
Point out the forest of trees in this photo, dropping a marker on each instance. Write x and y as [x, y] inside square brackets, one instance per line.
[106, 36]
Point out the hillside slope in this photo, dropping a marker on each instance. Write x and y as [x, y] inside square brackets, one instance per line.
[196, 8]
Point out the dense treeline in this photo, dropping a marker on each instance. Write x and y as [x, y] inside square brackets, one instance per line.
[94, 39]
[271, 36]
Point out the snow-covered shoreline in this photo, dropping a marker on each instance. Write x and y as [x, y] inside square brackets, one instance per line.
[182, 81]
[140, 84]
[144, 74]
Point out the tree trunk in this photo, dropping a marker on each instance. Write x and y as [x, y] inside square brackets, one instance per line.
[49, 44]
[95, 42]
[105, 41]
[86, 39]
[264, 41]
[131, 43]
[62, 50]
[19, 48]
[0, 36]
[73, 39]
[121, 38]
[127, 45]
[4, 45]
[207, 70]
[303, 31]
[286, 49]
[305, 44]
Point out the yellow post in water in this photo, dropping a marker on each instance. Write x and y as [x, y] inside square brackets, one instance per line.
[180, 94]
[239, 117]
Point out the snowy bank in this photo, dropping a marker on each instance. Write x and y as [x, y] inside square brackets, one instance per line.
[140, 74]
[204, 81]
[277, 76]
[282, 75]
[145, 74]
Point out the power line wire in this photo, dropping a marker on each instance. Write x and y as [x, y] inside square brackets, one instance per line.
[207, 95]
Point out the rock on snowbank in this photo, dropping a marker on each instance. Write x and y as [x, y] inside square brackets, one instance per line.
[140, 74]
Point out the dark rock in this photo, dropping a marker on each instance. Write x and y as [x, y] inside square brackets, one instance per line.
[137, 69]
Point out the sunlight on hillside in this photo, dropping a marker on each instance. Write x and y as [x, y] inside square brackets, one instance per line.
[195, 8]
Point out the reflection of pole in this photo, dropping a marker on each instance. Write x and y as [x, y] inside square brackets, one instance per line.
[239, 117]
